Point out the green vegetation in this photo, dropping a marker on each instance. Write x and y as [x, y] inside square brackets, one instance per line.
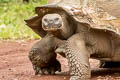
[12, 16]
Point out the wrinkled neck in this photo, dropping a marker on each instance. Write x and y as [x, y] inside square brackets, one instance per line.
[68, 28]
[50, 34]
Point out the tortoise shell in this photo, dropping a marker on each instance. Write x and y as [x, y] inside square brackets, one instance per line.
[98, 14]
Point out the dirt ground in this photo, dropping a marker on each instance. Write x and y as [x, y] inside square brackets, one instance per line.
[15, 65]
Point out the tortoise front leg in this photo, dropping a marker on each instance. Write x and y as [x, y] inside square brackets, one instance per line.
[43, 57]
[78, 58]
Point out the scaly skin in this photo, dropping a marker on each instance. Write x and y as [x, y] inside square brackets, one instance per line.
[83, 45]
[43, 56]
[78, 58]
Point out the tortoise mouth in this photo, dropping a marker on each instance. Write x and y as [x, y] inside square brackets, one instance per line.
[51, 28]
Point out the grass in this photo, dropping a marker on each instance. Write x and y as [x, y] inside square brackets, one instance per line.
[12, 16]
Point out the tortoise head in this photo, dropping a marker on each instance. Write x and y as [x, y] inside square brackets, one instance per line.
[52, 22]
[61, 25]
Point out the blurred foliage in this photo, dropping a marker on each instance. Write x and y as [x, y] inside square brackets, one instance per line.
[7, 1]
[12, 16]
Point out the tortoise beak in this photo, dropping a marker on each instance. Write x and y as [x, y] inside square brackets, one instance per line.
[51, 27]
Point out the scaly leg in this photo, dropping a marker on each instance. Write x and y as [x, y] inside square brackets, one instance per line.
[78, 58]
[43, 57]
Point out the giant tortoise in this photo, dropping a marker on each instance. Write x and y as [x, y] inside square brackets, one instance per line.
[84, 29]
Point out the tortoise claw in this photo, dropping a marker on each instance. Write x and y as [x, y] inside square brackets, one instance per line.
[49, 70]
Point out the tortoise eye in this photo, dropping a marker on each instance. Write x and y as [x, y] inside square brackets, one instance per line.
[56, 19]
[46, 20]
